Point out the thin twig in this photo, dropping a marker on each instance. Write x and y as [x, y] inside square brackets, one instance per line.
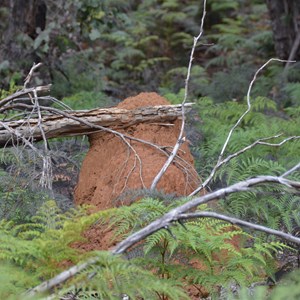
[291, 170]
[206, 214]
[231, 156]
[46, 178]
[181, 139]
[44, 88]
[30, 74]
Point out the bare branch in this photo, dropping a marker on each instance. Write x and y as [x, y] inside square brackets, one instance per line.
[181, 139]
[293, 52]
[44, 88]
[174, 213]
[60, 278]
[46, 178]
[30, 74]
[248, 104]
[220, 161]
[205, 214]
[291, 170]
[231, 156]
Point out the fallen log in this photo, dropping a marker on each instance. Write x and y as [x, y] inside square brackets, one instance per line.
[71, 123]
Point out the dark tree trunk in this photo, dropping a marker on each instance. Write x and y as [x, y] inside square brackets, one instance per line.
[25, 17]
[24, 20]
[285, 20]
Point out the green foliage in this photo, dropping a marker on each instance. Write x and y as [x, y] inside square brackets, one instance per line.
[115, 276]
[289, 288]
[234, 39]
[87, 100]
[36, 251]
[242, 41]
[117, 48]
[293, 90]
[43, 245]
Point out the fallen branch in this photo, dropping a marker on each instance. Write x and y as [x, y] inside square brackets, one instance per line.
[62, 124]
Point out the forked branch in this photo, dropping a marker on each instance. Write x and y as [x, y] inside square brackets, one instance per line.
[221, 161]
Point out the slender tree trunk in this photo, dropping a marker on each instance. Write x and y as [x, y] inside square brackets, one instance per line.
[285, 20]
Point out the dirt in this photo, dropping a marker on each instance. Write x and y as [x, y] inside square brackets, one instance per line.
[112, 170]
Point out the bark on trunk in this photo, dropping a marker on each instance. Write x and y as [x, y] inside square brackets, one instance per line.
[285, 20]
[58, 125]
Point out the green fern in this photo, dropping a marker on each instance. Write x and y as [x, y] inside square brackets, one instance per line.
[36, 251]
[114, 277]
[205, 242]
[43, 245]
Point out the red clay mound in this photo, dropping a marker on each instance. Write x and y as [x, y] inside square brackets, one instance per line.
[111, 168]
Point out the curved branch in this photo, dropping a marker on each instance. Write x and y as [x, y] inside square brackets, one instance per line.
[280, 234]
[174, 214]
[220, 159]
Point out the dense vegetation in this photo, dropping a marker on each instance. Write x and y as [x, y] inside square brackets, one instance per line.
[103, 51]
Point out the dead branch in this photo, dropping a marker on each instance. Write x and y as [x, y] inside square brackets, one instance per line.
[291, 170]
[221, 160]
[261, 141]
[30, 74]
[173, 215]
[44, 88]
[70, 123]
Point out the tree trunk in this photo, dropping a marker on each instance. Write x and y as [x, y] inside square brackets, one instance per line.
[26, 17]
[86, 121]
[285, 20]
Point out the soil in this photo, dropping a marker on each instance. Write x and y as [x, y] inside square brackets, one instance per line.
[111, 170]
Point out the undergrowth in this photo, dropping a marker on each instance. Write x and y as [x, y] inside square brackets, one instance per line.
[35, 251]
[203, 253]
